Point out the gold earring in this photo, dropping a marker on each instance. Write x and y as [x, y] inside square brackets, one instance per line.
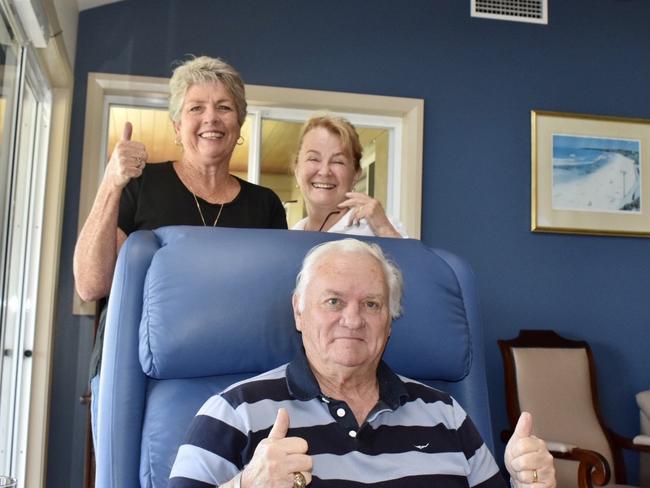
[177, 141]
[240, 142]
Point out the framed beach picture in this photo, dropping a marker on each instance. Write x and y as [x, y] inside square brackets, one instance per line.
[590, 174]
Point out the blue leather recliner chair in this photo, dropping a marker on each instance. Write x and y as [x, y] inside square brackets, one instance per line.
[194, 309]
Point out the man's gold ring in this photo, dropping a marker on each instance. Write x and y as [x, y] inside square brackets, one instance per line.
[299, 480]
[535, 477]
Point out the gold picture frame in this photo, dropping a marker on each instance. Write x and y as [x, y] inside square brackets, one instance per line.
[590, 174]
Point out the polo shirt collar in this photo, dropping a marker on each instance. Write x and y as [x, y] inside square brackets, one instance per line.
[302, 383]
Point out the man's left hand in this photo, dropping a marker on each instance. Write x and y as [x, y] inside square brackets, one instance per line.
[527, 459]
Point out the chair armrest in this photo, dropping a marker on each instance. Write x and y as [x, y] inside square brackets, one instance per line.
[593, 468]
[562, 447]
[642, 444]
[641, 440]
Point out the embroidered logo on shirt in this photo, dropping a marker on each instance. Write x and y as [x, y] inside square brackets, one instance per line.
[421, 446]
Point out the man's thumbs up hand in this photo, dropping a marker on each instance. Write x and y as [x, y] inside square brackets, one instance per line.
[527, 458]
[278, 458]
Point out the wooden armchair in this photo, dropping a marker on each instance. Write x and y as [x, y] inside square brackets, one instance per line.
[554, 378]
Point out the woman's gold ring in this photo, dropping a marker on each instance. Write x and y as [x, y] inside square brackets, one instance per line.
[299, 480]
[535, 477]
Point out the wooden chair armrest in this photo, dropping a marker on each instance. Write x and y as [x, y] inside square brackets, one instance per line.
[640, 443]
[593, 468]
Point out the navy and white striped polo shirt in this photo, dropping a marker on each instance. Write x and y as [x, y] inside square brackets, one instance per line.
[416, 436]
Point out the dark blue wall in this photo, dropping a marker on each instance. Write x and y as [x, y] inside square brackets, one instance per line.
[479, 80]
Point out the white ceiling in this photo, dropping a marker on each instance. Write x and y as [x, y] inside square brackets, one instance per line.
[86, 4]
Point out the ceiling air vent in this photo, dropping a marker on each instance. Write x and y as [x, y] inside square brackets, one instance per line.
[533, 11]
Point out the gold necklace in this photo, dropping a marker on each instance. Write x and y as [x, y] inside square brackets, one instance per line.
[196, 200]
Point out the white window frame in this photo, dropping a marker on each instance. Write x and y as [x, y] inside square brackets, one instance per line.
[23, 267]
[8, 367]
[403, 116]
[49, 65]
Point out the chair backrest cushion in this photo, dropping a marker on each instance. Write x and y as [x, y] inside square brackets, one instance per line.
[205, 304]
[554, 385]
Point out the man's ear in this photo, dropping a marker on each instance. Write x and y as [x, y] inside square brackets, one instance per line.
[297, 316]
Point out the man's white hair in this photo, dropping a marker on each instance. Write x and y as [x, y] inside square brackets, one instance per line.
[392, 273]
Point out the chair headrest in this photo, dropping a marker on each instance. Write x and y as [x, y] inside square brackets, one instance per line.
[210, 291]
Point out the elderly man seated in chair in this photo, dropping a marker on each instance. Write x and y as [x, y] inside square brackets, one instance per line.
[337, 415]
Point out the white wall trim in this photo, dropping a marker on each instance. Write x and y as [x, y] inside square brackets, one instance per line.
[59, 73]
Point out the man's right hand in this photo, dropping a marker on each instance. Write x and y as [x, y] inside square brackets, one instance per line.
[127, 160]
[277, 458]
